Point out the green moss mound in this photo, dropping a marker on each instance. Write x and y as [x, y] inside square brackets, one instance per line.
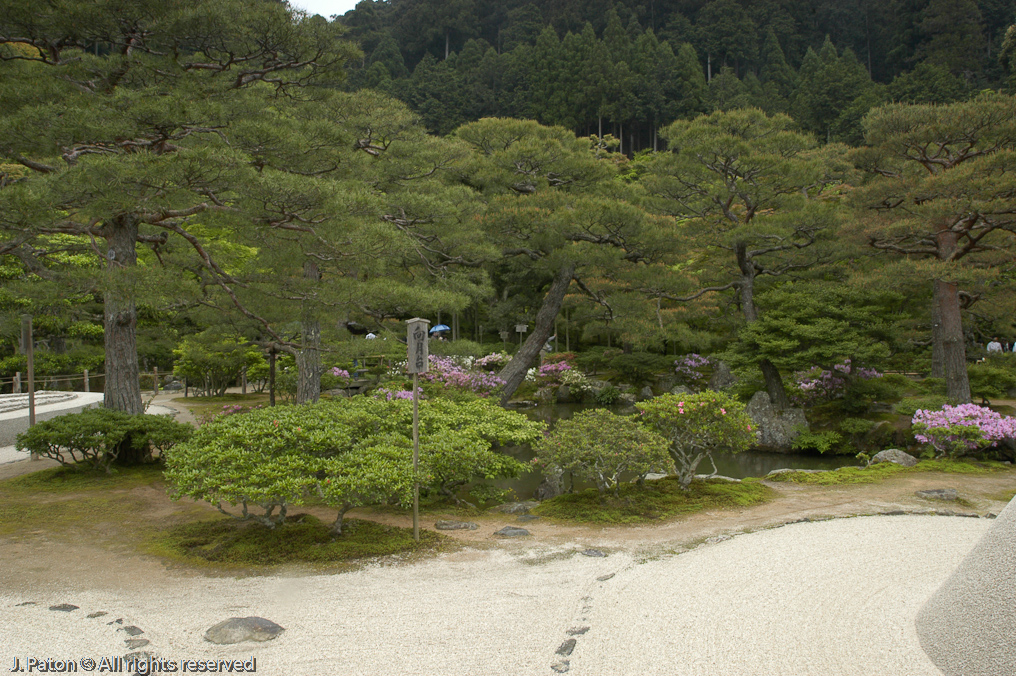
[302, 539]
[885, 470]
[654, 501]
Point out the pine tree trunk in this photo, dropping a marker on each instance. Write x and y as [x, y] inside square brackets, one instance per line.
[937, 354]
[746, 288]
[123, 387]
[954, 353]
[514, 371]
[308, 358]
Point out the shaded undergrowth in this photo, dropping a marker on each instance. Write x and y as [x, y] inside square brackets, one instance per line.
[654, 501]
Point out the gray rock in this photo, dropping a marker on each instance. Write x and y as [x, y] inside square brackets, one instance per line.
[99, 613]
[134, 643]
[517, 507]
[566, 648]
[132, 630]
[64, 607]
[722, 377]
[645, 394]
[512, 532]
[718, 477]
[564, 394]
[456, 525]
[775, 429]
[577, 631]
[238, 629]
[655, 476]
[550, 487]
[527, 517]
[626, 399]
[604, 578]
[777, 472]
[593, 552]
[938, 494]
[717, 538]
[896, 456]
[26, 603]
[681, 389]
[560, 667]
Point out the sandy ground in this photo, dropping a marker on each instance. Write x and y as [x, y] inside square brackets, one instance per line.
[825, 598]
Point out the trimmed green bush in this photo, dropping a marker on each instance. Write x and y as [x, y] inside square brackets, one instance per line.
[600, 446]
[97, 438]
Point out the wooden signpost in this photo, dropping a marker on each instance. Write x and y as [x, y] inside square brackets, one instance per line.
[418, 362]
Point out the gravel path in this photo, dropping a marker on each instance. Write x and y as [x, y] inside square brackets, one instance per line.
[833, 598]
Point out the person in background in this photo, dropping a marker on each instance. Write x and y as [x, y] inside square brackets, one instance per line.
[370, 336]
[994, 347]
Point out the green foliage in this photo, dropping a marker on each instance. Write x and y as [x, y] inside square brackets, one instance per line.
[95, 438]
[349, 453]
[822, 442]
[607, 396]
[697, 424]
[885, 470]
[640, 368]
[599, 446]
[457, 348]
[217, 361]
[992, 378]
[654, 501]
[908, 406]
[596, 358]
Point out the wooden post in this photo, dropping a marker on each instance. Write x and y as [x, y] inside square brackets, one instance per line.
[243, 381]
[16, 389]
[155, 380]
[418, 361]
[84, 379]
[271, 377]
[186, 388]
[28, 342]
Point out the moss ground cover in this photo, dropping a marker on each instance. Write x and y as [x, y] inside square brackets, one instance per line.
[885, 470]
[654, 501]
[303, 539]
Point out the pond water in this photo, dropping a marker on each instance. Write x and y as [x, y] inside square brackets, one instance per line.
[739, 465]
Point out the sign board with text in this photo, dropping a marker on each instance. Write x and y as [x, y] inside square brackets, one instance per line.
[419, 348]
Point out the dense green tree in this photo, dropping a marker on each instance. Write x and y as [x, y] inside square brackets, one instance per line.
[953, 35]
[941, 191]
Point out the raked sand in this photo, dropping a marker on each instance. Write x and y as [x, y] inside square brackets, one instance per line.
[829, 598]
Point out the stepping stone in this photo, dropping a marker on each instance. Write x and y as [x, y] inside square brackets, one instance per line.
[527, 517]
[119, 621]
[237, 629]
[97, 614]
[26, 603]
[560, 667]
[577, 631]
[133, 643]
[456, 525]
[938, 494]
[64, 607]
[512, 532]
[131, 630]
[604, 578]
[566, 648]
[593, 552]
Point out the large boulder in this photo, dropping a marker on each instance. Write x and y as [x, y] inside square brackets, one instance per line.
[646, 393]
[564, 395]
[681, 389]
[896, 456]
[776, 429]
[722, 377]
[550, 487]
[238, 629]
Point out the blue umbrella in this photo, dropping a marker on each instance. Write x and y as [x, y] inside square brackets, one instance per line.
[441, 327]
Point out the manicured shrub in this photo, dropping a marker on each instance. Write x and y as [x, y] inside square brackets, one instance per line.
[695, 425]
[97, 438]
[350, 453]
[600, 446]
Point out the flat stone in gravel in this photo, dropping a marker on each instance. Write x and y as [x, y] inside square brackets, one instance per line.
[133, 643]
[938, 494]
[566, 648]
[237, 629]
[592, 552]
[26, 603]
[132, 630]
[512, 532]
[99, 613]
[527, 517]
[896, 456]
[517, 507]
[456, 525]
[777, 472]
[64, 607]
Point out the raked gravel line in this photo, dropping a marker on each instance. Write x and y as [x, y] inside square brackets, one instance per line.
[831, 598]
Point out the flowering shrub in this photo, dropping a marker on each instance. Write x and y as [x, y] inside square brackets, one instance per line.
[452, 372]
[576, 380]
[492, 361]
[691, 368]
[340, 373]
[551, 372]
[389, 394]
[598, 446]
[556, 357]
[956, 430]
[817, 384]
[225, 411]
[697, 424]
